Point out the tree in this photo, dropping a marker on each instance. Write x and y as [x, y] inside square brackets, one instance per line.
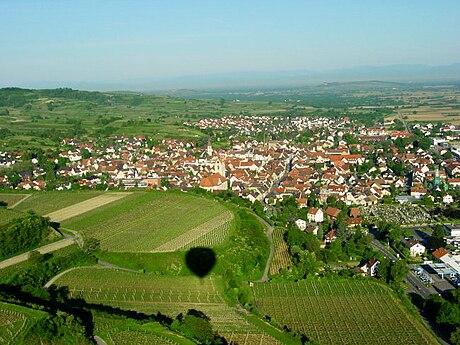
[342, 232]
[398, 271]
[91, 245]
[307, 264]
[437, 237]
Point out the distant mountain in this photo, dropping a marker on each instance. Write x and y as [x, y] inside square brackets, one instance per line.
[270, 79]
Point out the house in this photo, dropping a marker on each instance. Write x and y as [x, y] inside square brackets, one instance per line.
[330, 237]
[371, 267]
[353, 222]
[418, 191]
[333, 212]
[439, 253]
[301, 224]
[415, 247]
[214, 182]
[447, 199]
[354, 212]
[315, 215]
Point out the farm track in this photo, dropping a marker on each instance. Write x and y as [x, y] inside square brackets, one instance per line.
[85, 206]
[26, 196]
[269, 228]
[42, 250]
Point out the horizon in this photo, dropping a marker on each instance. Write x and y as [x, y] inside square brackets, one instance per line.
[110, 43]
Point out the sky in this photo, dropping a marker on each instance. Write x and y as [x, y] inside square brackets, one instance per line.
[113, 41]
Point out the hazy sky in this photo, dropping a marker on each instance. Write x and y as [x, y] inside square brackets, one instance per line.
[103, 41]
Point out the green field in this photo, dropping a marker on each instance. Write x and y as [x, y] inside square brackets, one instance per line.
[12, 199]
[41, 118]
[341, 312]
[47, 202]
[142, 222]
[7, 215]
[150, 294]
[15, 321]
[120, 331]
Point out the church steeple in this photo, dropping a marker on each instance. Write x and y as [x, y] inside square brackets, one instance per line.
[209, 148]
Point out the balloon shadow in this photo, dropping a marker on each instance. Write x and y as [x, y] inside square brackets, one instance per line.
[200, 260]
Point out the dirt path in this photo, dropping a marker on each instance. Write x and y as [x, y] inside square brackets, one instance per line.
[42, 250]
[272, 250]
[84, 206]
[26, 196]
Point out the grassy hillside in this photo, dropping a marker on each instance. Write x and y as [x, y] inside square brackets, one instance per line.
[40, 118]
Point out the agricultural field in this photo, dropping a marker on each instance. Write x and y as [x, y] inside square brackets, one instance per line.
[46, 202]
[208, 234]
[41, 118]
[15, 321]
[120, 331]
[150, 294]
[84, 206]
[281, 258]
[7, 215]
[12, 199]
[341, 312]
[143, 222]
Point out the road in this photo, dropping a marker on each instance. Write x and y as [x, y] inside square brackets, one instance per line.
[416, 284]
[272, 250]
[42, 250]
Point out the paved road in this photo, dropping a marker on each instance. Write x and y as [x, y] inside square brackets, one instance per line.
[42, 250]
[272, 250]
[416, 284]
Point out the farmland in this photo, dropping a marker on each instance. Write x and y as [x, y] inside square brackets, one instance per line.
[44, 203]
[340, 312]
[152, 293]
[281, 258]
[142, 222]
[12, 199]
[15, 321]
[7, 215]
[84, 206]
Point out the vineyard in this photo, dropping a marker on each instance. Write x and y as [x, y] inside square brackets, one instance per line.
[340, 312]
[85, 206]
[281, 258]
[207, 234]
[142, 222]
[168, 295]
[14, 321]
[120, 331]
[47, 202]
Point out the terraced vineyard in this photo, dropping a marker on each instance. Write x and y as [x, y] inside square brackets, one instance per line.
[15, 320]
[151, 294]
[281, 258]
[341, 312]
[143, 222]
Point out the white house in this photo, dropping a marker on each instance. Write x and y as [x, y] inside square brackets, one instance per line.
[301, 224]
[415, 247]
[447, 199]
[370, 268]
[315, 215]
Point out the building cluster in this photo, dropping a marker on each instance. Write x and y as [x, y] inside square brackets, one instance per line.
[338, 159]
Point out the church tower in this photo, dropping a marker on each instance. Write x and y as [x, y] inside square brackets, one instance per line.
[209, 148]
